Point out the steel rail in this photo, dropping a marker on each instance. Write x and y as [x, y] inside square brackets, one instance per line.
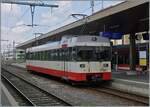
[30, 102]
[123, 94]
[54, 96]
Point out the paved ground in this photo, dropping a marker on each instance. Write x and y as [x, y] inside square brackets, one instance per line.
[139, 76]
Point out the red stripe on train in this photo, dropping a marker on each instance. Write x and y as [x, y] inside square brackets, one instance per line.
[70, 75]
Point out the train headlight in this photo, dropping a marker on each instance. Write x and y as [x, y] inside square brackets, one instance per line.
[105, 65]
[82, 65]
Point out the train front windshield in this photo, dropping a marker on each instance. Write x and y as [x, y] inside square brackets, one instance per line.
[93, 53]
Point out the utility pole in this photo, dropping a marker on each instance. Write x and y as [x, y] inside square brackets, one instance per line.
[102, 4]
[92, 6]
[32, 6]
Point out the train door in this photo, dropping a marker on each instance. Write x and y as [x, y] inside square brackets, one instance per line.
[65, 62]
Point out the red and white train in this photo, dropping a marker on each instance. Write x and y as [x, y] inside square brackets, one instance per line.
[76, 58]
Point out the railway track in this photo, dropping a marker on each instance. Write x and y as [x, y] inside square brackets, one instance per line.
[119, 93]
[34, 95]
[122, 94]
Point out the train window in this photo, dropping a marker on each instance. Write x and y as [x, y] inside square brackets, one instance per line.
[27, 55]
[57, 51]
[43, 55]
[55, 55]
[46, 55]
[52, 55]
[33, 56]
[40, 56]
[73, 53]
[65, 54]
[70, 52]
[37, 56]
[39, 53]
[49, 55]
[60, 54]
[30, 57]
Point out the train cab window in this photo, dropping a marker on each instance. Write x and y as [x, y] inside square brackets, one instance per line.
[93, 53]
[84, 53]
[104, 54]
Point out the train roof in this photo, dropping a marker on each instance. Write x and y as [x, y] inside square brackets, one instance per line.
[71, 41]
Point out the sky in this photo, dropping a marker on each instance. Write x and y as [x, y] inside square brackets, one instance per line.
[14, 18]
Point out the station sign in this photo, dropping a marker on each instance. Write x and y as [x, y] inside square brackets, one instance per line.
[143, 62]
[142, 58]
[111, 35]
[142, 54]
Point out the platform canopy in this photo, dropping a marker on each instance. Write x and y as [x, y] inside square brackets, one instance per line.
[127, 17]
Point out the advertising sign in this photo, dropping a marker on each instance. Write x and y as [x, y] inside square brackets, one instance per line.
[142, 54]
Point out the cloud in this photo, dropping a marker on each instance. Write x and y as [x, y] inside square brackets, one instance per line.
[64, 4]
[20, 29]
[56, 16]
[47, 18]
[14, 9]
[16, 34]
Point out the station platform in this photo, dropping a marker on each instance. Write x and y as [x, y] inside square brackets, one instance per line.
[132, 76]
[6, 98]
[21, 65]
